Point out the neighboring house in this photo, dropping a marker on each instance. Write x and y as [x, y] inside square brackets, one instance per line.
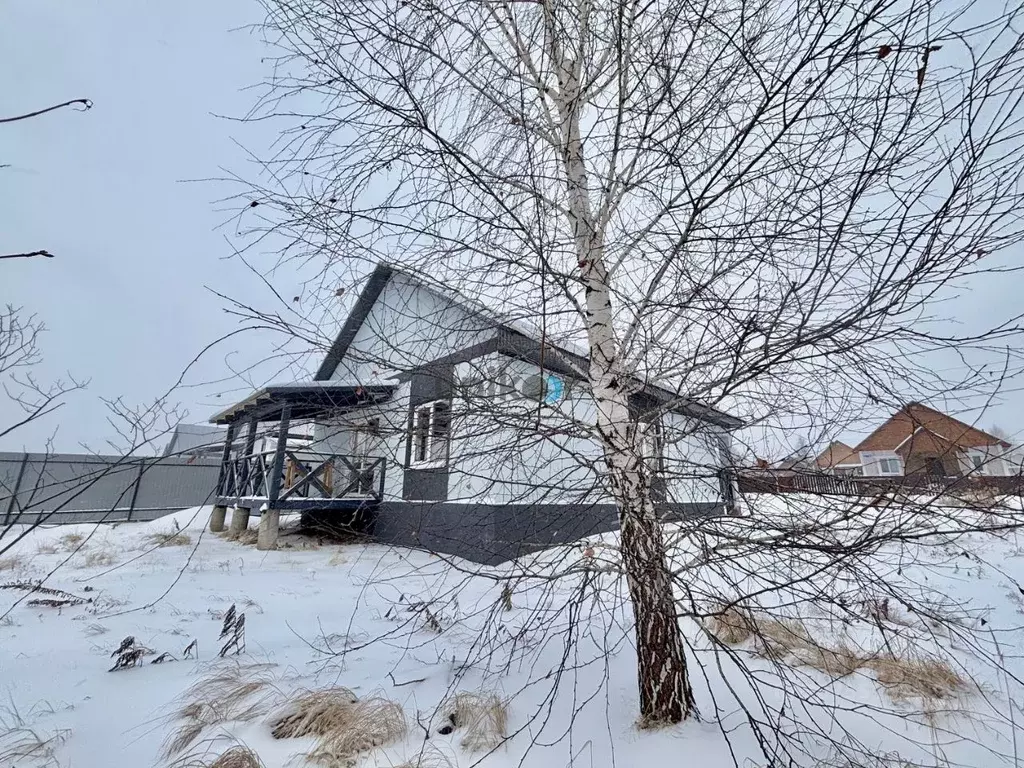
[196, 440]
[838, 458]
[439, 423]
[918, 440]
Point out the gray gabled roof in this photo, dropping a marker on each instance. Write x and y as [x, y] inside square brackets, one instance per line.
[526, 342]
[194, 438]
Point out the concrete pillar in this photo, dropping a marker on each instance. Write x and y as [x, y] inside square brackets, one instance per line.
[239, 521]
[217, 519]
[270, 520]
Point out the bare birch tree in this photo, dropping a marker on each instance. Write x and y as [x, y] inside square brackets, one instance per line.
[754, 204]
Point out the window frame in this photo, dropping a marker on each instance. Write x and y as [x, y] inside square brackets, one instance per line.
[883, 461]
[427, 436]
[979, 463]
[652, 433]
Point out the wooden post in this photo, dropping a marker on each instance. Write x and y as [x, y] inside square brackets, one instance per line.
[250, 445]
[270, 516]
[220, 509]
[225, 460]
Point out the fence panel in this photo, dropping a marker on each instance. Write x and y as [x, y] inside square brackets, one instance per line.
[766, 481]
[177, 483]
[64, 488]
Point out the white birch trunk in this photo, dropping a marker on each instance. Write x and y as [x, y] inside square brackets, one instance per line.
[665, 693]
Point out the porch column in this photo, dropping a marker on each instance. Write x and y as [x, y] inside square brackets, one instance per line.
[220, 510]
[270, 516]
[250, 446]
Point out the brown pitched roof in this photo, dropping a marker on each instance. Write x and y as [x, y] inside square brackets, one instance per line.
[837, 453]
[902, 424]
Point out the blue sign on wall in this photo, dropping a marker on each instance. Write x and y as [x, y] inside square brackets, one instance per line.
[554, 388]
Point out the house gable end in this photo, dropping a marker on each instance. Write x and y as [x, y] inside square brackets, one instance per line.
[399, 325]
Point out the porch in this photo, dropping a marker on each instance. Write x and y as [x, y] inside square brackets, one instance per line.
[271, 468]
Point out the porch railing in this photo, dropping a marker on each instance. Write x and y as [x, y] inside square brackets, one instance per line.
[305, 476]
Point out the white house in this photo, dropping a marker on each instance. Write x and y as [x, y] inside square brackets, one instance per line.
[440, 424]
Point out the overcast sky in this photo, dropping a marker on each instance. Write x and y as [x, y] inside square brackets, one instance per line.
[106, 191]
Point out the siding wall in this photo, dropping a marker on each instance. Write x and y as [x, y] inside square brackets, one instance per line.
[506, 449]
[493, 534]
[407, 327]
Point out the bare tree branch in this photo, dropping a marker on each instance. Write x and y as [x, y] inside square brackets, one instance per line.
[29, 255]
[86, 104]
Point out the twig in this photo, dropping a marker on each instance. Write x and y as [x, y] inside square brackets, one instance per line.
[407, 682]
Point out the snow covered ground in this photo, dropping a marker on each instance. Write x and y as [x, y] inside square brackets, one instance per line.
[414, 629]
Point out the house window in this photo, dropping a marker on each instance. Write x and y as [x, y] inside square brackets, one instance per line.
[978, 462]
[650, 444]
[431, 426]
[889, 466]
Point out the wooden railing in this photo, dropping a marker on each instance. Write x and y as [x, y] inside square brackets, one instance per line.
[304, 476]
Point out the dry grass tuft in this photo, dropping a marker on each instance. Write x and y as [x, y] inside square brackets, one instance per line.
[238, 756]
[775, 638]
[781, 638]
[47, 548]
[338, 558]
[835, 662]
[234, 692]
[429, 757]
[171, 539]
[916, 677]
[11, 563]
[344, 724]
[482, 716]
[97, 559]
[23, 744]
[731, 625]
[70, 542]
[902, 678]
[315, 713]
[248, 536]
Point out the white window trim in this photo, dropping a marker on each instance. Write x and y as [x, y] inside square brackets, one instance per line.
[983, 465]
[431, 463]
[881, 470]
[652, 436]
